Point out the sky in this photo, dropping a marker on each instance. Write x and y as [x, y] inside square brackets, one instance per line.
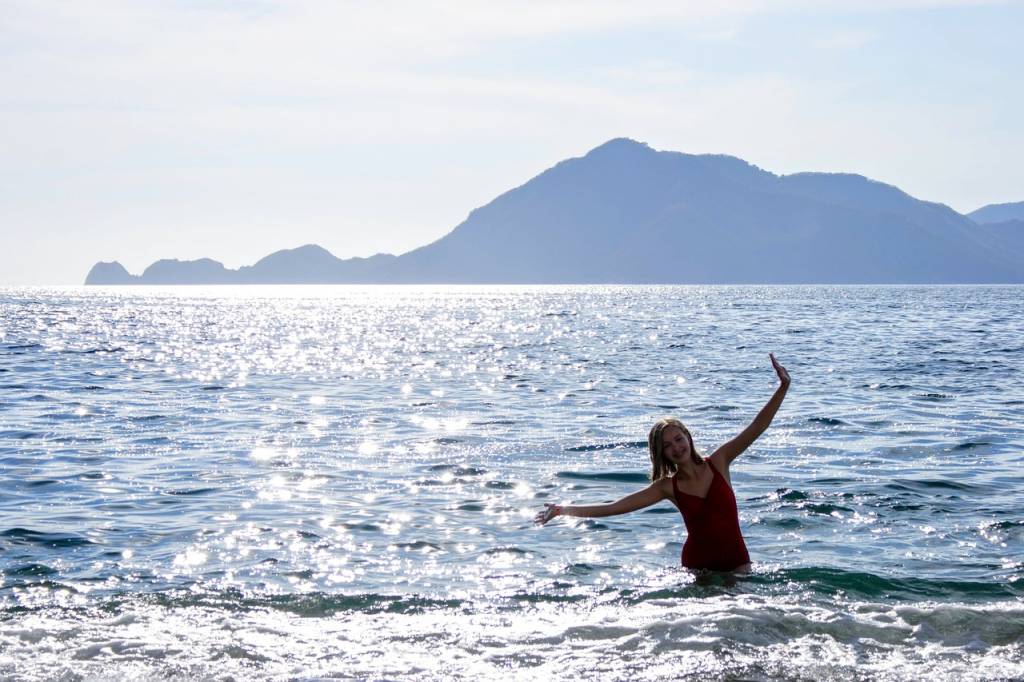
[134, 130]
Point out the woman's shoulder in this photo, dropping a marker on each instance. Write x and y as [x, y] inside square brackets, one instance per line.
[720, 464]
[665, 484]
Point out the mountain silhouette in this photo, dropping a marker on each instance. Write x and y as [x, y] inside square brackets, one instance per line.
[998, 213]
[312, 263]
[110, 273]
[625, 213]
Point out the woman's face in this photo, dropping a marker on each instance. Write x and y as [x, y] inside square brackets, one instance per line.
[675, 445]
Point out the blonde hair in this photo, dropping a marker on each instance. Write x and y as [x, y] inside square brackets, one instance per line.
[659, 465]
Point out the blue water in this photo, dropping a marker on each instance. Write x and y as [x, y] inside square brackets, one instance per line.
[304, 482]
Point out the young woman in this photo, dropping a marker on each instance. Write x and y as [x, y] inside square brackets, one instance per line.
[700, 488]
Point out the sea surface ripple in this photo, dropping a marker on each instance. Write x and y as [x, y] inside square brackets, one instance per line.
[339, 482]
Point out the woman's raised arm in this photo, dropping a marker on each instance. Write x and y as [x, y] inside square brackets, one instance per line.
[652, 494]
[735, 447]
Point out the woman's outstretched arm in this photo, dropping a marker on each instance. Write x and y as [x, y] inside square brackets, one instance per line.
[652, 494]
[735, 447]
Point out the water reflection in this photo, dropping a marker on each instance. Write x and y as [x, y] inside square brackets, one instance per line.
[355, 470]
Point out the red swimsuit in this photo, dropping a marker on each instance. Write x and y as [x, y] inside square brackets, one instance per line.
[713, 538]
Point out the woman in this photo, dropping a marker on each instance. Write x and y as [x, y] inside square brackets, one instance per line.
[700, 488]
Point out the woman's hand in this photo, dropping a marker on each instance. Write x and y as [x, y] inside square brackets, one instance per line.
[550, 511]
[780, 370]
[732, 449]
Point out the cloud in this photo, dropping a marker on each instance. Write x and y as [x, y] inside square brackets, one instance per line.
[219, 118]
[117, 53]
[845, 40]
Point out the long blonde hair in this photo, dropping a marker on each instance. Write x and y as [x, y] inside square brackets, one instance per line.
[660, 466]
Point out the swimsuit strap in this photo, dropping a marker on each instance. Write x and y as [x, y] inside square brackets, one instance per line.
[714, 471]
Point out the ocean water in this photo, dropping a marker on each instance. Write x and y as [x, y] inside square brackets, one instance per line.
[339, 482]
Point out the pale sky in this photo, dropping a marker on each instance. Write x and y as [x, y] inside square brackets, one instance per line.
[142, 129]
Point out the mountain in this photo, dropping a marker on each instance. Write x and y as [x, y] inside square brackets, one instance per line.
[1002, 225]
[998, 213]
[1008, 236]
[627, 213]
[312, 264]
[175, 271]
[110, 273]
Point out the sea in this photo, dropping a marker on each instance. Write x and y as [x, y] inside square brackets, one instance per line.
[339, 482]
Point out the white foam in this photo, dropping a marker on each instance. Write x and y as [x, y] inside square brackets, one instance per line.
[719, 637]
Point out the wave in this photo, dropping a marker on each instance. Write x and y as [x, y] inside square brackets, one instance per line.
[608, 446]
[21, 435]
[826, 421]
[309, 637]
[621, 476]
[832, 481]
[27, 536]
[92, 351]
[836, 582]
[420, 545]
[1006, 525]
[823, 583]
[971, 444]
[458, 470]
[147, 417]
[920, 486]
[190, 491]
[825, 508]
[40, 483]
[775, 624]
[313, 604]
[30, 570]
[500, 485]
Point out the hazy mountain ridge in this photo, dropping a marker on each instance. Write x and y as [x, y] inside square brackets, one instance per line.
[627, 213]
[998, 213]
